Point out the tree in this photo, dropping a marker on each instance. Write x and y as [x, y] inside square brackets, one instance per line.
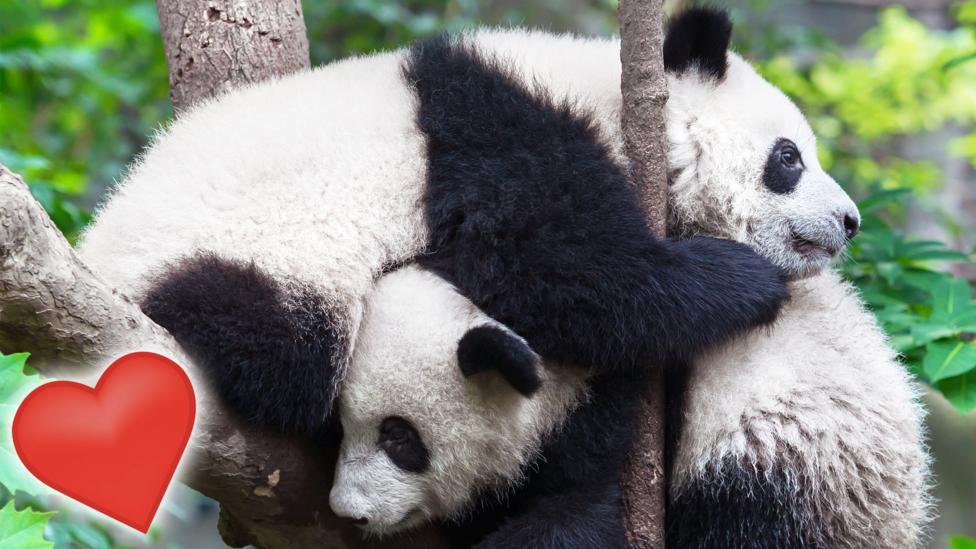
[273, 491]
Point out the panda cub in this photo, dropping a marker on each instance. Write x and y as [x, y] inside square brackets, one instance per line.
[427, 427]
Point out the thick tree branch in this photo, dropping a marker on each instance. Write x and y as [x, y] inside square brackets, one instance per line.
[645, 93]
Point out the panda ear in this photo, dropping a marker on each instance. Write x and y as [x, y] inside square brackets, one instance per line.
[698, 38]
[489, 347]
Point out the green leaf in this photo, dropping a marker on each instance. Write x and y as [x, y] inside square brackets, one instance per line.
[951, 297]
[945, 359]
[12, 378]
[14, 384]
[883, 198]
[961, 542]
[23, 529]
[67, 533]
[925, 332]
[960, 391]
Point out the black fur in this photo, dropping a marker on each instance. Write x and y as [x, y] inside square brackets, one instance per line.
[780, 175]
[399, 439]
[698, 38]
[531, 220]
[741, 506]
[486, 348]
[268, 360]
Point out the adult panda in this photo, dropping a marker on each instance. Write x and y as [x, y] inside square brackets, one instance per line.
[807, 434]
[254, 227]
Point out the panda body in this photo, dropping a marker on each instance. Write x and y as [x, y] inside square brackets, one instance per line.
[264, 217]
[808, 434]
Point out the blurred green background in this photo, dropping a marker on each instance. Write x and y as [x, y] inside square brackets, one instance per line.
[889, 88]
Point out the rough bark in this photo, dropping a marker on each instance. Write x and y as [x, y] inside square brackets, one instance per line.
[645, 93]
[216, 45]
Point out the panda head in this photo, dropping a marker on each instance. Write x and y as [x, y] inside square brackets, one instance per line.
[440, 404]
[742, 157]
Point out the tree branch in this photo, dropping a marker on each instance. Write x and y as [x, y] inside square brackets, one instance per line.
[645, 93]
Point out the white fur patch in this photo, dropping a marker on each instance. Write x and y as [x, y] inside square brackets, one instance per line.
[822, 395]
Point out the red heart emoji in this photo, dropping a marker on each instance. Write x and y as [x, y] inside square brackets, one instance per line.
[115, 447]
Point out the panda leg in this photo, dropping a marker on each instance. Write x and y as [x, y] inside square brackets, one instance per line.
[743, 507]
[271, 356]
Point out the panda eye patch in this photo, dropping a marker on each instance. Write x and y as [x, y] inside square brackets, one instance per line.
[784, 167]
[402, 443]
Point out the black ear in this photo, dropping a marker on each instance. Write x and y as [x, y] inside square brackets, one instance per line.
[492, 348]
[698, 37]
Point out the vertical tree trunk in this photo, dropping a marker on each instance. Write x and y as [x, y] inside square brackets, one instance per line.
[645, 93]
[216, 45]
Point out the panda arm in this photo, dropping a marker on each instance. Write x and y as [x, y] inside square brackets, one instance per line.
[531, 219]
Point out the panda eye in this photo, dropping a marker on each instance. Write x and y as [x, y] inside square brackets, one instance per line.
[402, 443]
[789, 155]
[396, 430]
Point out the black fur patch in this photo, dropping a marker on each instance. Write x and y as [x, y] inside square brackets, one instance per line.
[742, 507]
[269, 361]
[780, 175]
[486, 348]
[531, 220]
[698, 38]
[399, 439]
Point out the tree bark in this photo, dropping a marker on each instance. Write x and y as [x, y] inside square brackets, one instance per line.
[216, 45]
[645, 93]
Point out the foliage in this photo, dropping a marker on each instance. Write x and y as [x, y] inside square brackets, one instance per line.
[16, 380]
[23, 529]
[84, 82]
[911, 81]
[962, 542]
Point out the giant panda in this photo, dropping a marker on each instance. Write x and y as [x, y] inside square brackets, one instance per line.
[806, 434]
[255, 225]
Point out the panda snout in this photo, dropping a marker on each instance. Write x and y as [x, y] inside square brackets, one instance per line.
[349, 507]
[851, 222]
[349, 503]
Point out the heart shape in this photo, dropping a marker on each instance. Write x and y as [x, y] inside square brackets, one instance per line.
[116, 447]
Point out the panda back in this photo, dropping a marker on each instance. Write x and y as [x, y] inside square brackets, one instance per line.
[318, 175]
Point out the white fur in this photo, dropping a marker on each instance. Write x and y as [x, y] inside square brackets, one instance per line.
[480, 432]
[823, 396]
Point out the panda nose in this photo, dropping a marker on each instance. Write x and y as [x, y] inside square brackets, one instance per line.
[361, 521]
[851, 226]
